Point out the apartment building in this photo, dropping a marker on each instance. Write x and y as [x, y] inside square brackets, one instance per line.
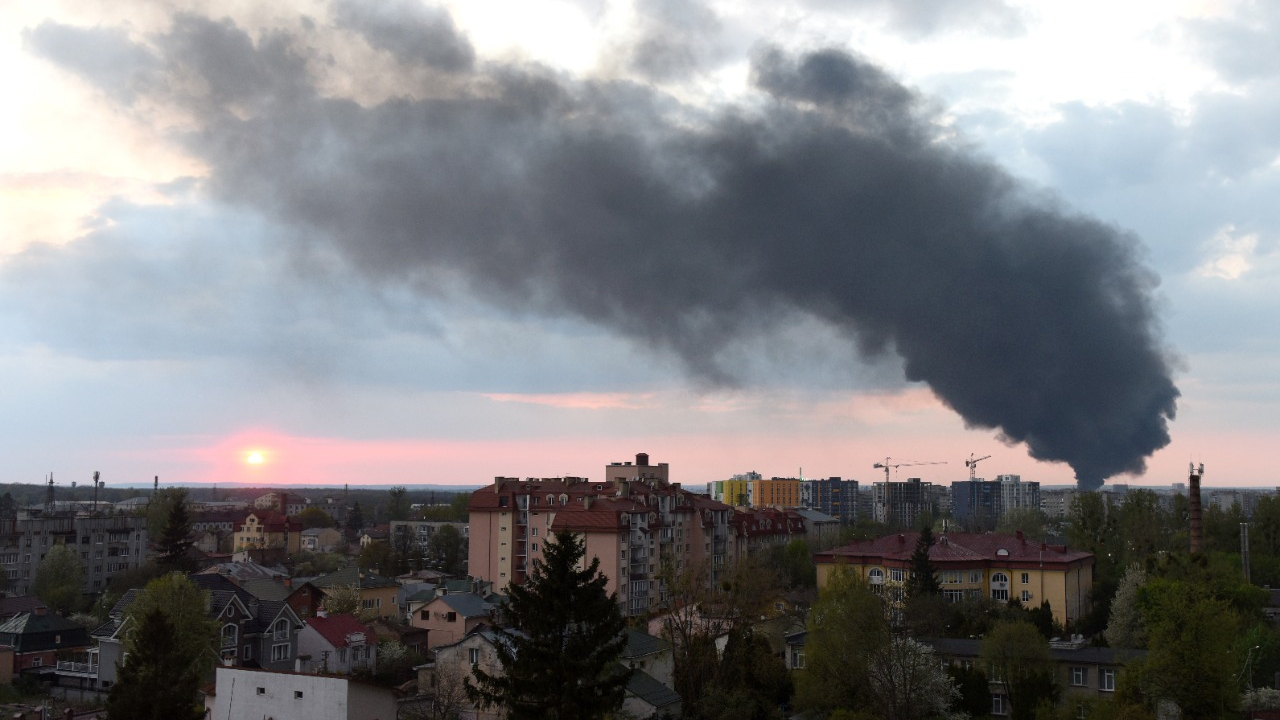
[901, 504]
[973, 565]
[267, 529]
[833, 496]
[634, 522]
[776, 492]
[106, 543]
[979, 504]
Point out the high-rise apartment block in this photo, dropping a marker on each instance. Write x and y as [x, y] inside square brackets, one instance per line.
[978, 505]
[835, 497]
[105, 543]
[636, 523]
[901, 504]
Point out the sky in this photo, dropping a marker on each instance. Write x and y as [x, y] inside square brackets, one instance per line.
[410, 242]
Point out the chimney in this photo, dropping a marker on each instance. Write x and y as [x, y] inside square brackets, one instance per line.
[1193, 509]
[642, 459]
[40, 610]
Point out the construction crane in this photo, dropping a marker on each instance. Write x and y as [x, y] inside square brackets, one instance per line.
[972, 463]
[888, 464]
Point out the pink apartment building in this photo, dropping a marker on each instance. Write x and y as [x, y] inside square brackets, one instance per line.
[634, 522]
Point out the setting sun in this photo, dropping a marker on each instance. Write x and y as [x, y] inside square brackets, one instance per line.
[255, 458]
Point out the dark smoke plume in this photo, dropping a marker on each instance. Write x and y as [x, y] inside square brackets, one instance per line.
[835, 196]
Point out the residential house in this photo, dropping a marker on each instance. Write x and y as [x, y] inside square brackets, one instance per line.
[449, 617]
[251, 693]
[1086, 673]
[321, 540]
[647, 697]
[456, 661]
[305, 599]
[412, 638]
[37, 637]
[267, 529]
[1001, 567]
[821, 530]
[378, 594]
[336, 644]
[254, 632]
[377, 533]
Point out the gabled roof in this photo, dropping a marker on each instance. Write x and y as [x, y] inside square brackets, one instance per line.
[32, 632]
[647, 688]
[267, 589]
[10, 606]
[640, 644]
[466, 604]
[336, 629]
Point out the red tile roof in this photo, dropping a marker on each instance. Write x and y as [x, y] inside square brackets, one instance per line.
[336, 628]
[955, 548]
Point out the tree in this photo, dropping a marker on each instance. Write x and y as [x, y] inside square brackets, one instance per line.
[175, 544]
[157, 681]
[923, 577]
[908, 682]
[1029, 520]
[751, 682]
[157, 512]
[195, 634]
[559, 658]
[448, 549]
[1192, 658]
[845, 626]
[341, 600]
[355, 522]
[314, 517]
[1125, 629]
[60, 579]
[398, 505]
[1018, 656]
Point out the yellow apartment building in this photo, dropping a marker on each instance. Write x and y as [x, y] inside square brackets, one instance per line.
[970, 566]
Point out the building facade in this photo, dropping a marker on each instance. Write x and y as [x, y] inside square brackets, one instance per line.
[835, 497]
[971, 566]
[106, 543]
[901, 504]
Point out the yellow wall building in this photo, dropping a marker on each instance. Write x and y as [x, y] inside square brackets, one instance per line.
[1001, 567]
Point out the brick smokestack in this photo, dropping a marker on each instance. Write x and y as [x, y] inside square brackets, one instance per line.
[1193, 509]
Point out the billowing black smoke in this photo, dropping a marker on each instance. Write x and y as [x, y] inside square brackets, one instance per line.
[834, 195]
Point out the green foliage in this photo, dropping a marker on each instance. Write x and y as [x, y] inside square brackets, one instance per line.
[1125, 629]
[907, 681]
[1193, 658]
[974, 691]
[158, 509]
[751, 682]
[398, 505]
[1028, 520]
[455, 511]
[157, 680]
[380, 557]
[793, 564]
[922, 578]
[448, 549]
[314, 517]
[559, 659]
[60, 579]
[185, 606]
[845, 625]
[307, 564]
[174, 545]
[355, 522]
[1018, 656]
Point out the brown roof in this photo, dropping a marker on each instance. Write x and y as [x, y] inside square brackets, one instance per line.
[955, 548]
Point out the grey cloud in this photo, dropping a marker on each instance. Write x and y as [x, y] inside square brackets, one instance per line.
[919, 19]
[674, 38]
[410, 31]
[1242, 48]
[553, 197]
[104, 56]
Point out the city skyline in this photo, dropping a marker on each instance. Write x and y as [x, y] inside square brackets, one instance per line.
[185, 293]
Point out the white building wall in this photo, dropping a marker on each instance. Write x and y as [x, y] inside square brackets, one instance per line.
[247, 693]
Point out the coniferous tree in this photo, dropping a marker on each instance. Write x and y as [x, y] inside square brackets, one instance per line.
[175, 543]
[156, 680]
[355, 522]
[559, 658]
[923, 579]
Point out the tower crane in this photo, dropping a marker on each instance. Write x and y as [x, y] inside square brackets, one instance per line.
[972, 463]
[888, 464]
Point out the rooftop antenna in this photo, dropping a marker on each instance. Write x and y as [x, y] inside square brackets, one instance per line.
[96, 484]
[48, 496]
[1193, 508]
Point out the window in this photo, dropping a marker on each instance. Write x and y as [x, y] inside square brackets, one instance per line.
[262, 691]
[280, 630]
[248, 652]
[896, 574]
[797, 659]
[998, 704]
[1026, 578]
[280, 652]
[297, 694]
[533, 531]
[975, 576]
[533, 547]
[1107, 680]
[1079, 676]
[999, 586]
[952, 596]
[473, 656]
[1026, 596]
[229, 635]
[451, 616]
